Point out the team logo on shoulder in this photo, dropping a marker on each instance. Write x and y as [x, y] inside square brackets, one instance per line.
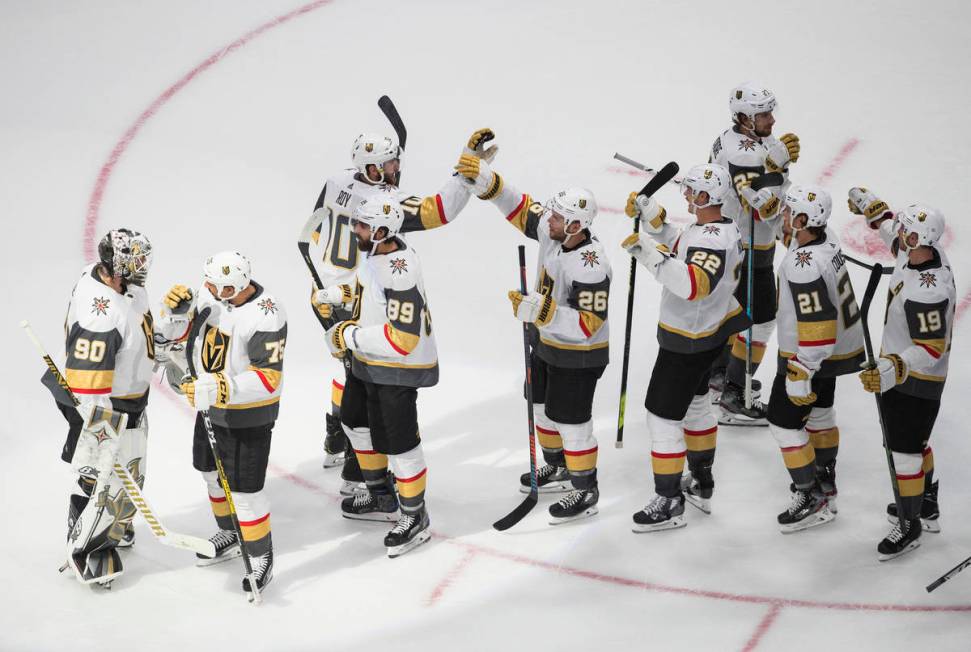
[711, 229]
[746, 144]
[803, 258]
[398, 265]
[267, 306]
[100, 306]
[589, 258]
[928, 279]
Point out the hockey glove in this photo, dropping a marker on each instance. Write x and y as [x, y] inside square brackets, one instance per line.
[340, 338]
[650, 255]
[323, 308]
[534, 307]
[207, 390]
[863, 202]
[764, 201]
[890, 371]
[486, 184]
[178, 299]
[780, 153]
[799, 383]
[324, 300]
[477, 145]
[651, 213]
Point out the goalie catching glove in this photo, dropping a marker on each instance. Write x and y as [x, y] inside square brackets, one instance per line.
[650, 255]
[781, 153]
[799, 383]
[890, 371]
[207, 390]
[651, 213]
[533, 307]
[863, 202]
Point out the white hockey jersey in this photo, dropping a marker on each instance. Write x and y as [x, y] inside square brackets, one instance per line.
[819, 321]
[246, 344]
[744, 158]
[919, 320]
[108, 344]
[335, 253]
[578, 280]
[395, 344]
[699, 310]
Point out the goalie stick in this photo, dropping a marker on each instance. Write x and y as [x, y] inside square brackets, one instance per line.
[667, 173]
[132, 490]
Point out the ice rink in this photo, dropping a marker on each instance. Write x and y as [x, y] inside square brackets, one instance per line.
[212, 126]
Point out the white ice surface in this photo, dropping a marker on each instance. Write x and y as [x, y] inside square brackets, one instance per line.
[235, 159]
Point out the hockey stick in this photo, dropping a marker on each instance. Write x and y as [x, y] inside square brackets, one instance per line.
[197, 325]
[864, 265]
[948, 575]
[134, 493]
[391, 113]
[529, 503]
[667, 173]
[643, 168]
[876, 272]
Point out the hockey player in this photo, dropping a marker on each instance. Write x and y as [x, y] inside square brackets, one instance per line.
[914, 352]
[110, 352]
[748, 150]
[239, 361]
[377, 168]
[820, 338]
[698, 266]
[568, 311]
[392, 347]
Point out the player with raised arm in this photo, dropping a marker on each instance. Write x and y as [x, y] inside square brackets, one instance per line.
[748, 150]
[914, 355]
[698, 267]
[820, 338]
[570, 335]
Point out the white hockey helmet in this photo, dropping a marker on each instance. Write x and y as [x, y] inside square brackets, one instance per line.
[228, 269]
[575, 205]
[374, 149]
[926, 221]
[810, 200]
[750, 99]
[711, 178]
[380, 209]
[126, 254]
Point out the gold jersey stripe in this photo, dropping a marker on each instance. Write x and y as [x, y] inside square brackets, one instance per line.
[90, 379]
[402, 342]
[247, 406]
[397, 365]
[698, 336]
[820, 332]
[700, 283]
[590, 323]
[432, 212]
[936, 347]
[574, 347]
[520, 214]
[271, 377]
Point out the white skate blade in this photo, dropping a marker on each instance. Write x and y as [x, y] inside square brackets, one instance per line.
[377, 517]
[912, 545]
[551, 488]
[256, 597]
[731, 419]
[349, 488]
[821, 517]
[672, 523]
[931, 526]
[420, 538]
[230, 553]
[588, 512]
[704, 504]
[333, 459]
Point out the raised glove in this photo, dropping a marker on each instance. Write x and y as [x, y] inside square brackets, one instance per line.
[651, 213]
[340, 338]
[178, 299]
[780, 153]
[486, 184]
[533, 307]
[207, 390]
[650, 255]
[863, 202]
[324, 300]
[799, 383]
[764, 201]
[890, 371]
[477, 145]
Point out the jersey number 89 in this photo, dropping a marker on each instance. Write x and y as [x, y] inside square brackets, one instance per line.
[403, 311]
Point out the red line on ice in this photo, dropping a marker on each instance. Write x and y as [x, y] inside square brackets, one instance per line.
[762, 628]
[451, 576]
[837, 161]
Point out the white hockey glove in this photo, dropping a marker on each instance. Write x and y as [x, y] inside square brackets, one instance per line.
[780, 153]
[324, 300]
[477, 145]
[891, 370]
[863, 202]
[652, 214]
[173, 320]
[207, 390]
[799, 383]
[486, 184]
[764, 201]
[533, 307]
[340, 338]
[650, 255]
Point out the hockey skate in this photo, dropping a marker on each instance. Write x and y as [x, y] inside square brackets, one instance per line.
[697, 486]
[807, 509]
[734, 412]
[371, 506]
[575, 505]
[716, 385]
[929, 512]
[900, 541]
[351, 488]
[661, 513]
[826, 475]
[409, 532]
[549, 478]
[227, 547]
[334, 442]
[262, 570]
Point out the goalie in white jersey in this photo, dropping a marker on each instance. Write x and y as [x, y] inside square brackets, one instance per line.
[570, 335]
[335, 254]
[698, 266]
[109, 360]
[391, 346]
[914, 355]
[820, 338]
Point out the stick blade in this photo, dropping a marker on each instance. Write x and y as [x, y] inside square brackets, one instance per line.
[391, 113]
[517, 514]
[663, 175]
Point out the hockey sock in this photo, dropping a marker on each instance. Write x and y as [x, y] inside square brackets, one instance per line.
[700, 429]
[910, 481]
[735, 373]
[217, 500]
[798, 455]
[253, 511]
[373, 465]
[667, 455]
[927, 466]
[336, 396]
[580, 451]
[410, 475]
[549, 437]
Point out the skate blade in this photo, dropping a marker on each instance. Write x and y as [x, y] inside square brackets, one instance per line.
[420, 538]
[333, 459]
[704, 504]
[931, 526]
[256, 598]
[231, 553]
[376, 517]
[729, 419]
[551, 488]
[587, 513]
[911, 546]
[672, 523]
[821, 517]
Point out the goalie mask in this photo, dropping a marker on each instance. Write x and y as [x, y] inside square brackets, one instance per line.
[750, 99]
[376, 150]
[126, 254]
[811, 201]
[711, 178]
[379, 210]
[228, 269]
[575, 205]
[927, 222]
